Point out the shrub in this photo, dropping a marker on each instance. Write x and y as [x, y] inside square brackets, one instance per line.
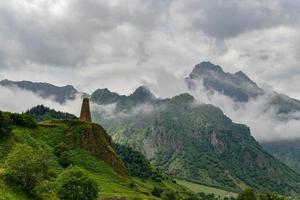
[64, 159]
[23, 120]
[5, 122]
[247, 194]
[26, 167]
[192, 198]
[73, 183]
[132, 185]
[157, 191]
[60, 148]
[168, 195]
[270, 196]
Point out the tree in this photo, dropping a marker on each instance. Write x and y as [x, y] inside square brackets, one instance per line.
[73, 183]
[23, 120]
[168, 195]
[157, 191]
[270, 196]
[247, 194]
[26, 167]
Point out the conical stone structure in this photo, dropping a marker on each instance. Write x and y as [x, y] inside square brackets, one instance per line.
[85, 114]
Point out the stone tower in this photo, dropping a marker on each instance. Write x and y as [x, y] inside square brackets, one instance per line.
[85, 114]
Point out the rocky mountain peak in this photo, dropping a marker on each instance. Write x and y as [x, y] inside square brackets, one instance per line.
[142, 93]
[104, 96]
[205, 67]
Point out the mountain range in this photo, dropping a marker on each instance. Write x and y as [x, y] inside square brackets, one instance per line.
[238, 86]
[45, 90]
[191, 140]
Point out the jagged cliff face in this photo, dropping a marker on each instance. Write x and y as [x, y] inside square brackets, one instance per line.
[238, 86]
[197, 142]
[90, 137]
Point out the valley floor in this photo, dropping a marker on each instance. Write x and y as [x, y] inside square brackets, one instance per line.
[197, 188]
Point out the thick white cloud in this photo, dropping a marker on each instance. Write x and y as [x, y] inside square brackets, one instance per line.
[117, 44]
[258, 114]
[17, 100]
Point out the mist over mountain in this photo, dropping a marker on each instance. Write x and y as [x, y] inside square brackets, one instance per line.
[191, 140]
[266, 112]
[238, 86]
[272, 117]
[45, 90]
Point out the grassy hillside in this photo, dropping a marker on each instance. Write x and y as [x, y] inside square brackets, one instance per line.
[73, 143]
[197, 188]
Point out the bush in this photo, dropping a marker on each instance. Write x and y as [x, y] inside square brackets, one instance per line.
[24, 120]
[270, 196]
[192, 198]
[5, 122]
[73, 183]
[26, 167]
[64, 159]
[60, 148]
[247, 194]
[157, 191]
[61, 151]
[169, 196]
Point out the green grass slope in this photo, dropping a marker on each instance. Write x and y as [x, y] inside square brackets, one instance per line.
[85, 145]
[197, 188]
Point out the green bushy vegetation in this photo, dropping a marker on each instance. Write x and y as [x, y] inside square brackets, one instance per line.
[136, 163]
[26, 168]
[250, 194]
[41, 113]
[73, 183]
[33, 161]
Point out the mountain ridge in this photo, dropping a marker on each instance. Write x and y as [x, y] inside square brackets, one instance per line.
[45, 90]
[197, 142]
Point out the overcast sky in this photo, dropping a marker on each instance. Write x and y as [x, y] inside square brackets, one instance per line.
[122, 44]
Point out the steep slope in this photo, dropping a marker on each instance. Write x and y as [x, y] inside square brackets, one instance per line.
[237, 86]
[75, 143]
[288, 151]
[196, 142]
[45, 90]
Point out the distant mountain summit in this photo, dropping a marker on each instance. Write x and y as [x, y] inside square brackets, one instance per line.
[238, 86]
[141, 95]
[45, 90]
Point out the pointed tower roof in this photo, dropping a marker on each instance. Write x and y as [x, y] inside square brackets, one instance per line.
[85, 114]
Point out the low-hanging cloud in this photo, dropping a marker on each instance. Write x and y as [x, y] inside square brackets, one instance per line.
[110, 111]
[18, 100]
[258, 113]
